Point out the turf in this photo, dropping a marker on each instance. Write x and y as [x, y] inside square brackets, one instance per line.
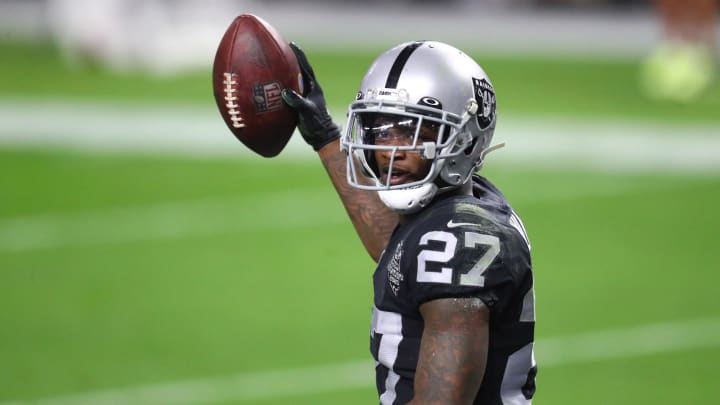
[118, 271]
[110, 312]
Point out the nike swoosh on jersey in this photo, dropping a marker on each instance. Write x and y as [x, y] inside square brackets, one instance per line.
[452, 224]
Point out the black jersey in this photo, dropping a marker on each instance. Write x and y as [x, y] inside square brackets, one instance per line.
[459, 246]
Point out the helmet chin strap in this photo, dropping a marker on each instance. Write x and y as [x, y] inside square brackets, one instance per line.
[486, 152]
[491, 149]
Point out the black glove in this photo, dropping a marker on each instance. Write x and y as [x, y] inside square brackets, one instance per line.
[314, 122]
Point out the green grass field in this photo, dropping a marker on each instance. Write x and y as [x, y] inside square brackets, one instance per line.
[122, 271]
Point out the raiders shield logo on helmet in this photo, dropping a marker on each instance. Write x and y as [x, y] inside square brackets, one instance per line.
[485, 97]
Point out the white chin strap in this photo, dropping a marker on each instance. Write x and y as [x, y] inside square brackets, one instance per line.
[408, 200]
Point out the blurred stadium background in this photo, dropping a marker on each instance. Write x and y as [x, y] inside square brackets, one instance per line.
[146, 257]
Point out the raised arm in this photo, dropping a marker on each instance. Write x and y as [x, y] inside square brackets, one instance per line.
[453, 351]
[373, 221]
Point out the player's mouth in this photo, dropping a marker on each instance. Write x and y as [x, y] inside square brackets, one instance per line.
[399, 176]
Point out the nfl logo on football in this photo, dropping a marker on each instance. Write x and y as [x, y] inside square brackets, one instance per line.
[267, 96]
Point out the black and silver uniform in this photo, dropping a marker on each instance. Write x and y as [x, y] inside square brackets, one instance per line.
[459, 246]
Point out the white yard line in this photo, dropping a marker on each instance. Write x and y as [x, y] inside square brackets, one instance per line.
[121, 128]
[238, 387]
[198, 131]
[210, 216]
[169, 220]
[644, 340]
[635, 341]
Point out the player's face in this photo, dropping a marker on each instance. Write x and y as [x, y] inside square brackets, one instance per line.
[407, 166]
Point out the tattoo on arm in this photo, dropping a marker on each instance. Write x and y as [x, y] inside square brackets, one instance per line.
[373, 221]
[453, 351]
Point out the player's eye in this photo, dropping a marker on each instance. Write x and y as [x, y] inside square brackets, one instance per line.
[393, 133]
[429, 131]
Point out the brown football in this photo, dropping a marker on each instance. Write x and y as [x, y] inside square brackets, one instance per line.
[252, 65]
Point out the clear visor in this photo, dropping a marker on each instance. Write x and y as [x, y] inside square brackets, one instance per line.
[395, 148]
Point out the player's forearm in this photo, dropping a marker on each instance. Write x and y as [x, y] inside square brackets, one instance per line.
[373, 221]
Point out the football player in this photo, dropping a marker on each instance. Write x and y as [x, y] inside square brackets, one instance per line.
[454, 309]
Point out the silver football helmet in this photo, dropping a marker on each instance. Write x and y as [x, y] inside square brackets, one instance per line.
[412, 90]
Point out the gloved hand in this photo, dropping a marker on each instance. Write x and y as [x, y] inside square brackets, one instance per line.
[314, 121]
